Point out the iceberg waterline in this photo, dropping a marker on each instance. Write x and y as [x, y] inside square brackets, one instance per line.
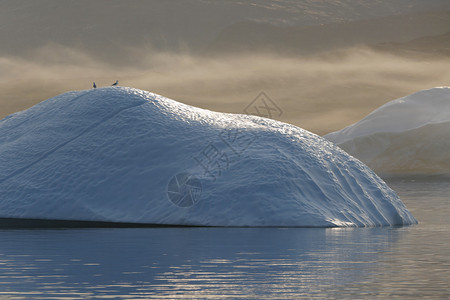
[410, 135]
[119, 154]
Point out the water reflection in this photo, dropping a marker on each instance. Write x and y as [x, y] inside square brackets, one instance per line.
[238, 263]
[210, 263]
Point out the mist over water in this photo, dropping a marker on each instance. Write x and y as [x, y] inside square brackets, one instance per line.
[321, 93]
[314, 59]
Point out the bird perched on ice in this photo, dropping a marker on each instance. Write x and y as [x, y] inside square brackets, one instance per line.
[116, 83]
[94, 85]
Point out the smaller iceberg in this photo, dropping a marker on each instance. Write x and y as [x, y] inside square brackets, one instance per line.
[410, 135]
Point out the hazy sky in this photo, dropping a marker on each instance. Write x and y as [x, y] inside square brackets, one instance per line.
[49, 47]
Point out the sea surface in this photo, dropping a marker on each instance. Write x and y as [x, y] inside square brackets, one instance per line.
[411, 262]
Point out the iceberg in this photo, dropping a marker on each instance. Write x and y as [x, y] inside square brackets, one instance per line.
[124, 155]
[410, 135]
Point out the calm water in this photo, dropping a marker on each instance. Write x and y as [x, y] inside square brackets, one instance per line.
[238, 263]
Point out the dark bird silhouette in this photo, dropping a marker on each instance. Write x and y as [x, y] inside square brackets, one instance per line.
[94, 85]
[116, 83]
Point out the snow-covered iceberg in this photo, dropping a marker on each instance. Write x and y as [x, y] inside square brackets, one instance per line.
[125, 155]
[410, 135]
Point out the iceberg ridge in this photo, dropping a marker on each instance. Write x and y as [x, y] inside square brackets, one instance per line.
[410, 135]
[119, 154]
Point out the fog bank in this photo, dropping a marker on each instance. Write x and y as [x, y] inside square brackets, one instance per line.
[319, 93]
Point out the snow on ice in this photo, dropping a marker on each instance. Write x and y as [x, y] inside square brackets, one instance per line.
[119, 154]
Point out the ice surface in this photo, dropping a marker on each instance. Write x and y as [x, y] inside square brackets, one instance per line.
[124, 155]
[410, 135]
